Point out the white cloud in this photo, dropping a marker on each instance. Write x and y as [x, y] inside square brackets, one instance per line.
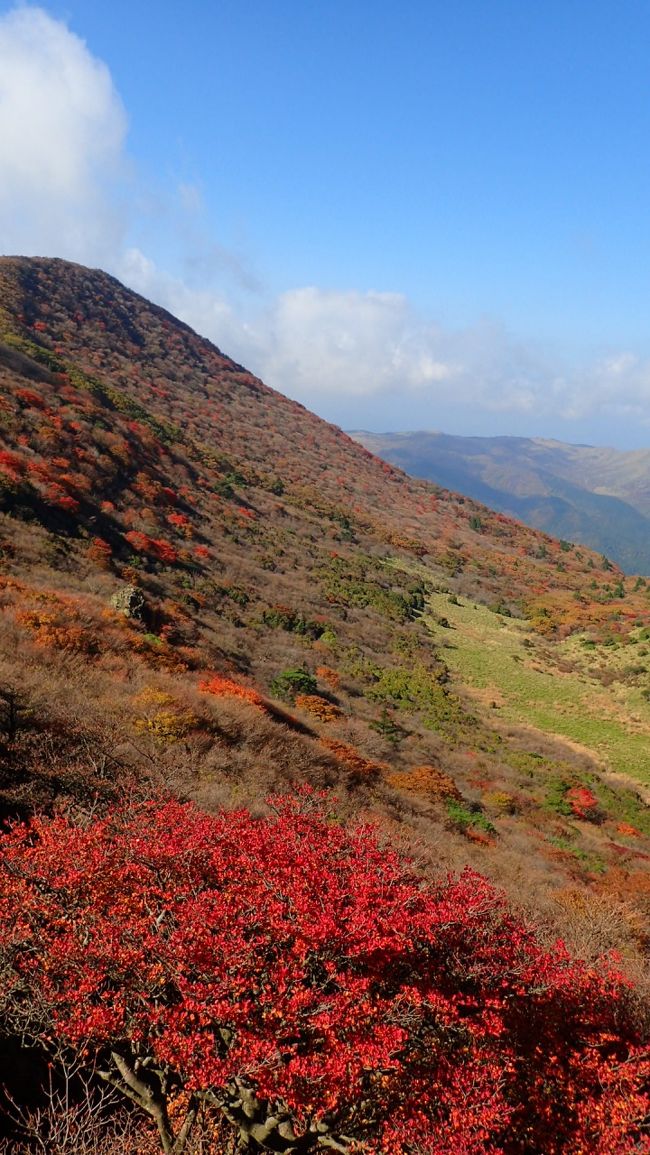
[318, 342]
[319, 346]
[333, 349]
[62, 131]
[618, 384]
[370, 353]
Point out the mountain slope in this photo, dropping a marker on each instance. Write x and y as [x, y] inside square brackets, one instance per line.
[582, 493]
[207, 589]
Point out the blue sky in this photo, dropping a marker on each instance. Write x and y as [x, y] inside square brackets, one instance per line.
[425, 215]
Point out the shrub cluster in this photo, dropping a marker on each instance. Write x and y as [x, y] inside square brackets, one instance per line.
[305, 984]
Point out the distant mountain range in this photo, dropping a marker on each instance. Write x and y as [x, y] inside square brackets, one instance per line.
[596, 496]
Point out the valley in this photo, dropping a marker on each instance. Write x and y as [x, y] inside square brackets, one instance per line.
[583, 493]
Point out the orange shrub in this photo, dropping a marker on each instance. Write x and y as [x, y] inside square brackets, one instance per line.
[478, 836]
[331, 677]
[425, 780]
[225, 687]
[318, 707]
[53, 630]
[352, 759]
[627, 831]
[99, 552]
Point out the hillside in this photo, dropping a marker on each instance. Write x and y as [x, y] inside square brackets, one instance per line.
[168, 518]
[582, 493]
[208, 592]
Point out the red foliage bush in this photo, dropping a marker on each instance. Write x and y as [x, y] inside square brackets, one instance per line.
[163, 550]
[302, 978]
[56, 495]
[12, 463]
[583, 802]
[30, 398]
[155, 547]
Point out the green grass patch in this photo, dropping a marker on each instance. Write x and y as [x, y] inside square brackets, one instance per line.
[488, 652]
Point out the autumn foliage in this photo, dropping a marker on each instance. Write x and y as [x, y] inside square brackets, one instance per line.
[582, 801]
[352, 759]
[221, 687]
[305, 984]
[181, 548]
[318, 707]
[426, 780]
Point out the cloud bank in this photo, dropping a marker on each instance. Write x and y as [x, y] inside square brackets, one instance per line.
[370, 357]
[62, 133]
[358, 357]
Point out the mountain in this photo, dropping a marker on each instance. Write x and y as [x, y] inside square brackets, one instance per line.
[163, 507]
[582, 493]
[169, 519]
[211, 596]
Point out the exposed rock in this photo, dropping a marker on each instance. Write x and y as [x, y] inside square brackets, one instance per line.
[129, 600]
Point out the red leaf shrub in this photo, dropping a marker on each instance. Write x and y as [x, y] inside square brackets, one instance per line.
[155, 547]
[305, 972]
[583, 802]
[179, 520]
[12, 463]
[163, 550]
[30, 398]
[56, 495]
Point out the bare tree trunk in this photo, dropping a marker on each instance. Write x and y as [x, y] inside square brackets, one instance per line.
[144, 1088]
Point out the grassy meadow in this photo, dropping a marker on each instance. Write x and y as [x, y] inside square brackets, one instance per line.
[591, 694]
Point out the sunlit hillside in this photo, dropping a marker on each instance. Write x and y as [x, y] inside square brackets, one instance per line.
[211, 595]
[169, 521]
